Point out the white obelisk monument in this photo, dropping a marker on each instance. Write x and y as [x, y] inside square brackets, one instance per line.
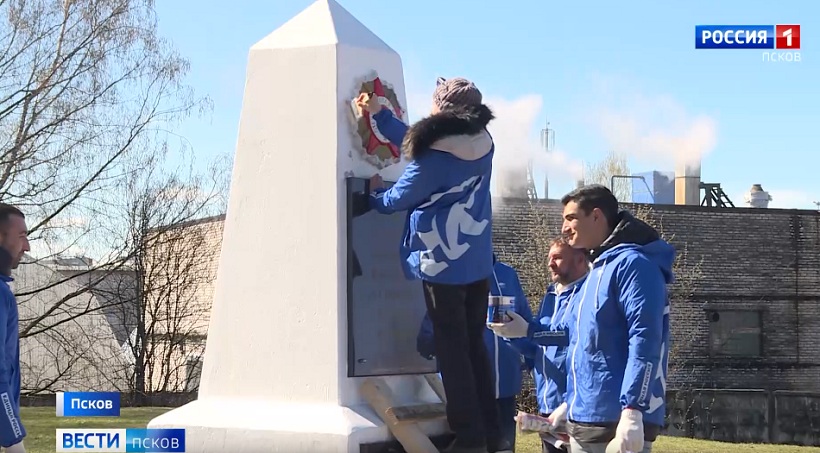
[275, 371]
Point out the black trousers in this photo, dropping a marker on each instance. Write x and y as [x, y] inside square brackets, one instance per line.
[459, 314]
[507, 410]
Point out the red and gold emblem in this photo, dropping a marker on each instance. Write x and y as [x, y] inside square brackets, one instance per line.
[377, 149]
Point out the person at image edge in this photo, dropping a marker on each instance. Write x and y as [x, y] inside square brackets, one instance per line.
[13, 244]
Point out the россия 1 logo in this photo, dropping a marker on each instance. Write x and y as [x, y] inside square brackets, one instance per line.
[783, 38]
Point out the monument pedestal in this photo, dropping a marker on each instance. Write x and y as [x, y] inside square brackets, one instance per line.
[232, 425]
[276, 373]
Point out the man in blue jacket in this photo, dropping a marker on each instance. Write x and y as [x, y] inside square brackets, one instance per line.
[568, 268]
[618, 360]
[507, 361]
[13, 244]
[447, 244]
[619, 336]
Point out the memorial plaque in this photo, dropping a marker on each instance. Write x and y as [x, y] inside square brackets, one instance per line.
[384, 308]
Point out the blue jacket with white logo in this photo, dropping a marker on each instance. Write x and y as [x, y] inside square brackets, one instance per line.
[446, 191]
[618, 351]
[550, 362]
[506, 360]
[11, 428]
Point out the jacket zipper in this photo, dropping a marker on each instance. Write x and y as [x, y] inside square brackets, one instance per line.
[577, 329]
[544, 368]
[575, 350]
[497, 374]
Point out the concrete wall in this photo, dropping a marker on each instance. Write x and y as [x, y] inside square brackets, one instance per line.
[746, 261]
[180, 277]
[749, 259]
[750, 416]
[67, 343]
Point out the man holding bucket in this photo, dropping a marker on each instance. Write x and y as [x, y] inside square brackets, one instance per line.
[568, 268]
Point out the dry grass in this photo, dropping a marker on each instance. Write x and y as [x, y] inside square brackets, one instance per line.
[530, 443]
[41, 423]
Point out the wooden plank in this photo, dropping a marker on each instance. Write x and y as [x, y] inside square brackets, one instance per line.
[438, 387]
[376, 392]
[417, 412]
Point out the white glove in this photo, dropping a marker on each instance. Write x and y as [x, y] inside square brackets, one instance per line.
[558, 416]
[629, 434]
[16, 448]
[517, 327]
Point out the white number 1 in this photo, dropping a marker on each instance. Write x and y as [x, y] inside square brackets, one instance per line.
[788, 35]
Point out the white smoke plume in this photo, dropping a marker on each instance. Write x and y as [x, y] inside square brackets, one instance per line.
[516, 134]
[656, 131]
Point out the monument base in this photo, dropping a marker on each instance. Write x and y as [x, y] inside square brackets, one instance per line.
[441, 441]
[216, 425]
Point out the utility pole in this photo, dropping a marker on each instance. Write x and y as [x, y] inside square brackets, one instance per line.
[548, 144]
[531, 192]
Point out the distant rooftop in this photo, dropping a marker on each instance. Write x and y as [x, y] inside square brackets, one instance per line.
[68, 262]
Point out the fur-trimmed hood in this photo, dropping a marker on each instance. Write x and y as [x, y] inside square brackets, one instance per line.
[460, 131]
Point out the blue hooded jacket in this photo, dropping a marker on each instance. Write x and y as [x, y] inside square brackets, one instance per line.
[550, 362]
[619, 346]
[446, 191]
[506, 360]
[11, 428]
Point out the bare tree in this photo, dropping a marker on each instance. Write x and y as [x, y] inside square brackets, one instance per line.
[176, 310]
[125, 328]
[84, 81]
[88, 90]
[170, 252]
[613, 164]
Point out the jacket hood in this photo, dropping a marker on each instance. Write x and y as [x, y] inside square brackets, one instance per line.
[5, 262]
[634, 234]
[460, 131]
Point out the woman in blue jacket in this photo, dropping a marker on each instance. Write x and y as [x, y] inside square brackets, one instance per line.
[447, 244]
[506, 360]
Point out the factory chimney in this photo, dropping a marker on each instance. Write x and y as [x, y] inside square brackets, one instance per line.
[687, 183]
[756, 197]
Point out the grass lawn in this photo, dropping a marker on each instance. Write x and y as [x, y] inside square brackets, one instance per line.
[41, 423]
[530, 443]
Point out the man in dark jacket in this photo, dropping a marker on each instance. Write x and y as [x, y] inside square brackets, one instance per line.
[617, 388]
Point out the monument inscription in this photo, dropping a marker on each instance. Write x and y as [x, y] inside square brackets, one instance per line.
[384, 308]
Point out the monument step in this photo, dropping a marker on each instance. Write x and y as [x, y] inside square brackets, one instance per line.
[403, 420]
[417, 412]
